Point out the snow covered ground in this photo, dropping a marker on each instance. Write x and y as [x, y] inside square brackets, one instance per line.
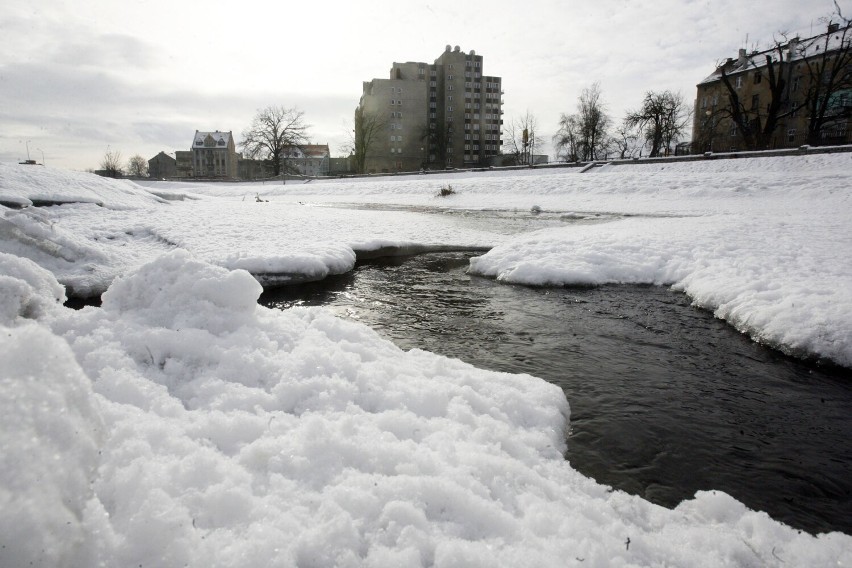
[183, 424]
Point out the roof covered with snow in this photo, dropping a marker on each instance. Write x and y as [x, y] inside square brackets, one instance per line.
[307, 151]
[207, 139]
[794, 49]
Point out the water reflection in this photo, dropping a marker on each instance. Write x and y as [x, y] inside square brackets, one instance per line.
[665, 399]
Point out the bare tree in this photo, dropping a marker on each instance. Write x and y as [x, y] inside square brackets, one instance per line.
[368, 128]
[273, 130]
[624, 141]
[111, 163]
[521, 140]
[584, 134]
[137, 166]
[757, 122]
[662, 119]
[567, 138]
[828, 61]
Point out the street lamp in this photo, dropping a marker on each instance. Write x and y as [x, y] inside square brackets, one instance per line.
[42, 155]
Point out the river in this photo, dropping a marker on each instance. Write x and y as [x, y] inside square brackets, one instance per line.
[665, 399]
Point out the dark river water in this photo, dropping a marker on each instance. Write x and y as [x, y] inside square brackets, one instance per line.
[665, 399]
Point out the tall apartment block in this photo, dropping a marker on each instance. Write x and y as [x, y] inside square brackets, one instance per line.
[442, 115]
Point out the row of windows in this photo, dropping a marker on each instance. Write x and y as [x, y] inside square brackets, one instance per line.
[758, 77]
[475, 148]
[395, 114]
[396, 138]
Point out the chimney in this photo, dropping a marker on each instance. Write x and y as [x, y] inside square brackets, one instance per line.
[832, 27]
[741, 57]
[792, 48]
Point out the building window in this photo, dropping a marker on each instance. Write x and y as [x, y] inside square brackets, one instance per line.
[449, 87]
[449, 109]
[733, 129]
[755, 102]
[450, 98]
[738, 82]
[791, 135]
[757, 77]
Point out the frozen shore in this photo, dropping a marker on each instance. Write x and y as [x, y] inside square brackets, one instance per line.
[182, 424]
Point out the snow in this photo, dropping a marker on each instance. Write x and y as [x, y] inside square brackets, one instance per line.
[183, 424]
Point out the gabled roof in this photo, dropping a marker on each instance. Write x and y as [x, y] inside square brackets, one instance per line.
[794, 50]
[214, 139]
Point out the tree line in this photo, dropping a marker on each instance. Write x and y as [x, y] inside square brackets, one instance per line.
[590, 133]
[823, 64]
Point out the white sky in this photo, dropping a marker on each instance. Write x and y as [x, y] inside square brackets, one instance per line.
[140, 76]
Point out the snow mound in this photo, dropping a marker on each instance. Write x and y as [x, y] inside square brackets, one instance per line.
[26, 289]
[179, 292]
[51, 433]
[26, 185]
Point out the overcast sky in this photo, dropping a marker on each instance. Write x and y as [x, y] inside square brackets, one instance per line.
[140, 76]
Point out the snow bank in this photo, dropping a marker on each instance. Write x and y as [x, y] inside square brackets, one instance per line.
[26, 184]
[197, 428]
[778, 279]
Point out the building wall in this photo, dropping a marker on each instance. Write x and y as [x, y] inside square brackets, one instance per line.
[183, 163]
[162, 166]
[399, 103]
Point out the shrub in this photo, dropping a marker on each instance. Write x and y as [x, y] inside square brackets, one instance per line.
[446, 190]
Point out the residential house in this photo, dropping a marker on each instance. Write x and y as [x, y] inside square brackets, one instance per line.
[214, 155]
[783, 84]
[310, 160]
[162, 166]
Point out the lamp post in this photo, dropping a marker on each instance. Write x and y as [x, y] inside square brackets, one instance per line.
[42, 155]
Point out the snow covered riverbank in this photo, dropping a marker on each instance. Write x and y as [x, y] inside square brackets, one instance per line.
[182, 424]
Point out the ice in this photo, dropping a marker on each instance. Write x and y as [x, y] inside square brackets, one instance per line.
[183, 424]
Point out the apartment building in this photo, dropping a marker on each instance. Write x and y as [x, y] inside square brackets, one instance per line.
[813, 70]
[447, 114]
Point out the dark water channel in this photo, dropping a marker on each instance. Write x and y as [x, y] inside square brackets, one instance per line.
[665, 399]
